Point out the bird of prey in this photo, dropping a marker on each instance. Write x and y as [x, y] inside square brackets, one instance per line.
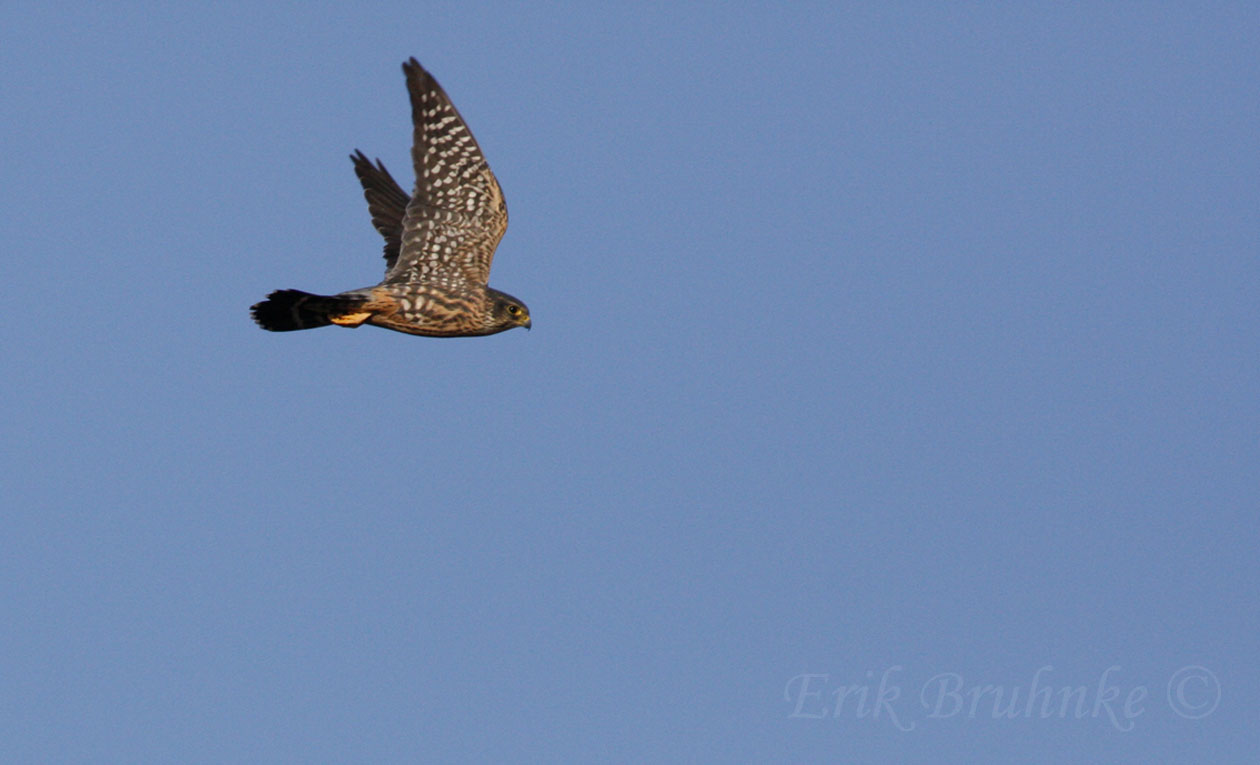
[439, 242]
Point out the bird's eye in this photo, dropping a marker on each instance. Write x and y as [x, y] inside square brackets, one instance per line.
[513, 310]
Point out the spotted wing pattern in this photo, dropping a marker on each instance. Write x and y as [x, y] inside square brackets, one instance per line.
[387, 203]
[456, 215]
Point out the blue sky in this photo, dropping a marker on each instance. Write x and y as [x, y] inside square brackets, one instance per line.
[912, 344]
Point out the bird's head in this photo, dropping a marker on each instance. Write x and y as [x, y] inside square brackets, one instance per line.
[507, 312]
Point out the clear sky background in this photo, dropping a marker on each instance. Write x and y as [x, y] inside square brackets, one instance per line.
[901, 342]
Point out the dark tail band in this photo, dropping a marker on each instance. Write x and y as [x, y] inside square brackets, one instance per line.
[288, 310]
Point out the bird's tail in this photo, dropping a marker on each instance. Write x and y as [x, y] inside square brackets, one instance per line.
[287, 310]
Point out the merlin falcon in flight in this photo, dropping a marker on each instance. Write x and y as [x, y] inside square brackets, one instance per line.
[439, 242]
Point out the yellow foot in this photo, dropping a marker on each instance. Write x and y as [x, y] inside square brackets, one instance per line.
[351, 319]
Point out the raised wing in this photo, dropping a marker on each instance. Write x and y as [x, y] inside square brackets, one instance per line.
[387, 203]
[456, 215]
